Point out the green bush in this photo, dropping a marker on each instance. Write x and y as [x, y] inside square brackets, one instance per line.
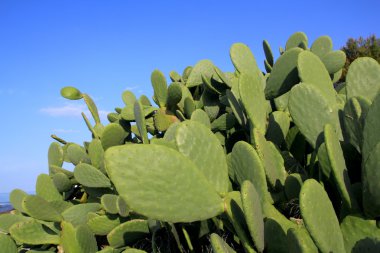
[234, 162]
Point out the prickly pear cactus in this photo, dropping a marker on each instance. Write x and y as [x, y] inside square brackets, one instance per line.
[242, 161]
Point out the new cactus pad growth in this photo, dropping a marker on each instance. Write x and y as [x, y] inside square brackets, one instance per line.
[240, 161]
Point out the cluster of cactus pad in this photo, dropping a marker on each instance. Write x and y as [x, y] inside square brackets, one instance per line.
[282, 161]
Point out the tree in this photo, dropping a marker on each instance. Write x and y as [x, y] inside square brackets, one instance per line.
[355, 48]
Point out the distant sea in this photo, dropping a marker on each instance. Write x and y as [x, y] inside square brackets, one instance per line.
[5, 205]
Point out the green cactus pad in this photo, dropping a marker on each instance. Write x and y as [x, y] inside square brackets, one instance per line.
[77, 154]
[210, 104]
[160, 87]
[113, 117]
[62, 182]
[214, 89]
[163, 142]
[174, 94]
[55, 154]
[89, 176]
[140, 121]
[246, 165]
[253, 214]
[298, 39]
[218, 245]
[223, 77]
[150, 192]
[338, 166]
[322, 46]
[311, 70]
[224, 122]
[355, 229]
[60, 205]
[272, 161]
[253, 100]
[371, 134]
[203, 67]
[86, 239]
[133, 250]
[370, 181]
[46, 189]
[189, 107]
[268, 68]
[284, 74]
[128, 98]
[113, 134]
[363, 78]
[236, 107]
[16, 198]
[186, 72]
[92, 108]
[8, 219]
[71, 93]
[122, 207]
[127, 233]
[305, 100]
[235, 213]
[370, 158]
[103, 224]
[281, 102]
[243, 59]
[268, 52]
[170, 133]
[127, 113]
[33, 233]
[109, 203]
[275, 237]
[7, 245]
[324, 161]
[96, 154]
[355, 112]
[334, 61]
[77, 214]
[198, 143]
[69, 242]
[175, 77]
[300, 242]
[185, 94]
[319, 217]
[179, 115]
[39, 208]
[163, 120]
[278, 127]
[275, 227]
[201, 117]
[144, 100]
[336, 77]
[293, 184]
[56, 169]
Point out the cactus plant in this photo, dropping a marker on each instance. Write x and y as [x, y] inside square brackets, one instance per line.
[233, 161]
[314, 199]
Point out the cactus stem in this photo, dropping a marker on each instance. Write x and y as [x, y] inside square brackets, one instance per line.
[55, 137]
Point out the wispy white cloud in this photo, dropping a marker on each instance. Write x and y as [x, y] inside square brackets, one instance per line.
[60, 130]
[132, 88]
[71, 110]
[68, 110]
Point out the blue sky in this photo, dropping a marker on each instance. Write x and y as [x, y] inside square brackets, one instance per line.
[106, 47]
